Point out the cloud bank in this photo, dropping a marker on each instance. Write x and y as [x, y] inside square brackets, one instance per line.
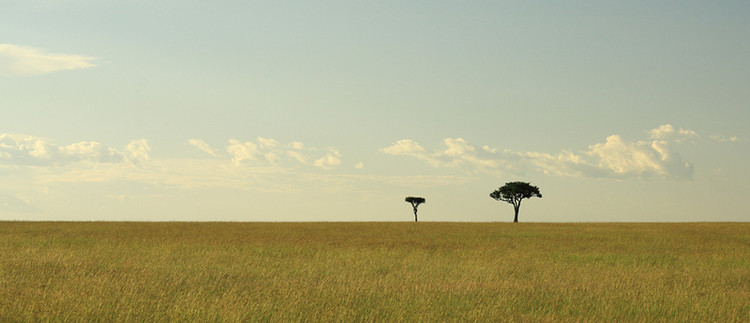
[267, 151]
[616, 157]
[27, 61]
[24, 150]
[264, 164]
[33, 164]
[458, 154]
[270, 165]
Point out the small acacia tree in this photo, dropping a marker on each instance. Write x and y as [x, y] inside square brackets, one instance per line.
[514, 192]
[415, 202]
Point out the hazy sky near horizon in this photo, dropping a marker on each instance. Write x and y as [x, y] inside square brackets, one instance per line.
[337, 110]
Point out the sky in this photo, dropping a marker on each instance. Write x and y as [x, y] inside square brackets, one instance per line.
[619, 111]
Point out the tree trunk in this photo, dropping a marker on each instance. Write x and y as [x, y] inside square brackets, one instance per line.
[415, 214]
[515, 219]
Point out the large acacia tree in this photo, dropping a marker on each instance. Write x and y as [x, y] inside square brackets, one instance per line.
[514, 192]
[415, 202]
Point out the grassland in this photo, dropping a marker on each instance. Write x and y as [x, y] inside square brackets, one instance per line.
[374, 272]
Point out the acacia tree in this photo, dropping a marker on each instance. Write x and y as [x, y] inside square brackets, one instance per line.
[415, 202]
[514, 192]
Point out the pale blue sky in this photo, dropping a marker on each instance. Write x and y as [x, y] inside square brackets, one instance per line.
[337, 110]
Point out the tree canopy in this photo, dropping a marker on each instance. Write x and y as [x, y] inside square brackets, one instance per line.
[514, 192]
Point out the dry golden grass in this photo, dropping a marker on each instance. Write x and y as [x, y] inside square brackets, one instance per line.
[374, 272]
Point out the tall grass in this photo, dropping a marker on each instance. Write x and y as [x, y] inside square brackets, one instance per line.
[374, 272]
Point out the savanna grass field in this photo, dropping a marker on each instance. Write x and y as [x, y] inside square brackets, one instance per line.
[175, 271]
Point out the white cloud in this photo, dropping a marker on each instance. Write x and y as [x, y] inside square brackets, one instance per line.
[614, 158]
[297, 145]
[565, 164]
[202, 145]
[458, 153]
[359, 165]
[91, 150]
[297, 156]
[457, 147]
[668, 132]
[489, 150]
[242, 151]
[406, 147]
[24, 150]
[271, 151]
[25, 61]
[330, 161]
[138, 150]
[620, 158]
[721, 138]
[267, 143]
